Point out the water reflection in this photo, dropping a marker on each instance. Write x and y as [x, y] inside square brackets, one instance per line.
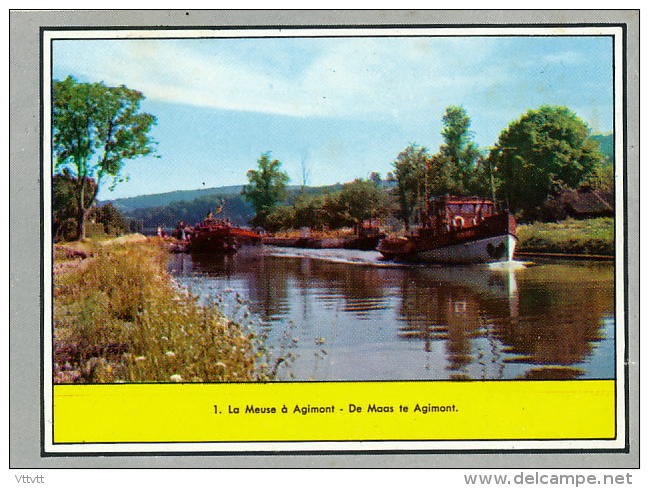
[560, 322]
[362, 320]
[455, 305]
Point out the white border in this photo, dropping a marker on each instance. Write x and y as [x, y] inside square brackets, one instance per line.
[333, 446]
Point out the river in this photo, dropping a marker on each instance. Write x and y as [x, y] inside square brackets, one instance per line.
[348, 315]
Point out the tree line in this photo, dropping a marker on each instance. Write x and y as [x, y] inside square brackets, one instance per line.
[545, 152]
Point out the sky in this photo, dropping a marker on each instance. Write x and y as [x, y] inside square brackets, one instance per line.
[330, 109]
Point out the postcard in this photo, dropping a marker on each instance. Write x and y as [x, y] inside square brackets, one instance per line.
[334, 239]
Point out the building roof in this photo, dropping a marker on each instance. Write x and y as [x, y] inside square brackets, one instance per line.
[595, 202]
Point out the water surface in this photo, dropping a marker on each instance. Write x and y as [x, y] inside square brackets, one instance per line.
[347, 315]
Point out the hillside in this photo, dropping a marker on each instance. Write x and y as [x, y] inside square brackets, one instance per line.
[191, 206]
[606, 145]
[130, 204]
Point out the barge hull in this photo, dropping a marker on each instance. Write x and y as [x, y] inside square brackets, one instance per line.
[492, 240]
[491, 249]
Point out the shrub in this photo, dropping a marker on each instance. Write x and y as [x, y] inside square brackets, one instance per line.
[121, 318]
[588, 237]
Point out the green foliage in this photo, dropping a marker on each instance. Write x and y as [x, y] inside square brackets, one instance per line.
[266, 189]
[65, 204]
[606, 144]
[282, 217]
[105, 220]
[362, 200]
[94, 129]
[335, 216]
[546, 150]
[112, 220]
[455, 132]
[349, 206]
[135, 226]
[457, 168]
[410, 174]
[603, 176]
[301, 207]
[306, 211]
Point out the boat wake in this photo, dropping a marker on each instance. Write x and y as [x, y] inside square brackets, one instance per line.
[509, 265]
[375, 258]
[370, 258]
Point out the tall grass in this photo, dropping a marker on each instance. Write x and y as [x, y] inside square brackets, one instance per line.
[121, 318]
[587, 237]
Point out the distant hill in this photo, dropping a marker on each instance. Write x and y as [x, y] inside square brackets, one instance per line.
[128, 205]
[606, 145]
[191, 212]
[191, 206]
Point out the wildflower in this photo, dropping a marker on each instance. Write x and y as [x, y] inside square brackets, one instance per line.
[170, 354]
[176, 377]
[140, 358]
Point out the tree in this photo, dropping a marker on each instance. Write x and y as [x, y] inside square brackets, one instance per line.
[375, 178]
[362, 200]
[410, 174]
[603, 177]
[455, 133]
[543, 152]
[266, 189]
[459, 153]
[65, 204]
[334, 210]
[309, 212]
[111, 218]
[94, 129]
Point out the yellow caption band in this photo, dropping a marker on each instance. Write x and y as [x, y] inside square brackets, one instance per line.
[231, 412]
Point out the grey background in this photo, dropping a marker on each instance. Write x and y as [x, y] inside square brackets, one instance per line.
[24, 338]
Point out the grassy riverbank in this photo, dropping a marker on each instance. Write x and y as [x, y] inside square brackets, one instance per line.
[573, 237]
[119, 317]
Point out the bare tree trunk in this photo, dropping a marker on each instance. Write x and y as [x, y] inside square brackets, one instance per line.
[81, 224]
[81, 213]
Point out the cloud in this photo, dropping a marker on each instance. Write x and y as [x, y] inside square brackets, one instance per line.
[339, 77]
[354, 78]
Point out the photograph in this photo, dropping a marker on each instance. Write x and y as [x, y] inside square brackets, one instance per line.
[362, 207]
[381, 238]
